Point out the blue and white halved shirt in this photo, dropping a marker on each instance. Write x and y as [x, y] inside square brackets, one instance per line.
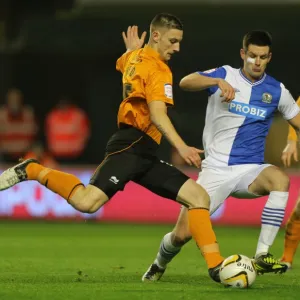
[235, 133]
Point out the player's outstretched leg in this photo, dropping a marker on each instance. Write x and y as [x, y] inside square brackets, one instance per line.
[274, 182]
[292, 236]
[85, 199]
[195, 198]
[165, 254]
[170, 246]
[200, 226]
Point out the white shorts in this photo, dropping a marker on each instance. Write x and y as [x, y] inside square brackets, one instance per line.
[220, 183]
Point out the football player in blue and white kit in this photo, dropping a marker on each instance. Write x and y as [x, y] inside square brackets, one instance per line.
[241, 106]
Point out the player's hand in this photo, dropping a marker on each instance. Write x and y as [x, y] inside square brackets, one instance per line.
[132, 40]
[227, 91]
[191, 155]
[289, 151]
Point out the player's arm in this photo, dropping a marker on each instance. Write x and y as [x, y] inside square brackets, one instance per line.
[197, 82]
[291, 149]
[159, 117]
[132, 42]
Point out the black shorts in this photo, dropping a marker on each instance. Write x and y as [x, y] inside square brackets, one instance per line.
[131, 155]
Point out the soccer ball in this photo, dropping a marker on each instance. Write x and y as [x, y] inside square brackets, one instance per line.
[237, 271]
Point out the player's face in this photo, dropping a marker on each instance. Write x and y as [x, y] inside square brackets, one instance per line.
[168, 42]
[255, 60]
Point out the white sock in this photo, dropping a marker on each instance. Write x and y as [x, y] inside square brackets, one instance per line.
[166, 251]
[271, 220]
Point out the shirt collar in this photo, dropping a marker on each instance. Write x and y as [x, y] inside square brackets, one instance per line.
[249, 81]
[150, 51]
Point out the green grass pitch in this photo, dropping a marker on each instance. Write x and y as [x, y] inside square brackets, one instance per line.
[106, 261]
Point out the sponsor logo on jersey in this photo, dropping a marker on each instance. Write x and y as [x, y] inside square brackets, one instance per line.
[250, 111]
[168, 91]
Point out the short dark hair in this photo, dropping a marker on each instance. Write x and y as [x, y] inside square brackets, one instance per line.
[258, 38]
[166, 20]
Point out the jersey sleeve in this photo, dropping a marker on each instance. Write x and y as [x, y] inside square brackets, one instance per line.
[120, 65]
[287, 105]
[292, 135]
[214, 73]
[158, 87]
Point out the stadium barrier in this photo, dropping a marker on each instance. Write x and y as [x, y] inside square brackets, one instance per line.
[135, 204]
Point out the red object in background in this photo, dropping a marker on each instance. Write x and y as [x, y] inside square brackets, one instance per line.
[17, 132]
[135, 204]
[45, 159]
[67, 132]
[18, 126]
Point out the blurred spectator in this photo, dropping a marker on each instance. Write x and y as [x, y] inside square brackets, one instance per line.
[18, 127]
[67, 131]
[39, 152]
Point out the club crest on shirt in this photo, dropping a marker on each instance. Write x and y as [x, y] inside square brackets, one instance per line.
[266, 98]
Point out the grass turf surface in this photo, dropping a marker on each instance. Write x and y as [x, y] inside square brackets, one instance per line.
[106, 261]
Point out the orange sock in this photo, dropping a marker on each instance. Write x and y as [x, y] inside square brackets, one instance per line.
[33, 170]
[58, 182]
[292, 238]
[203, 234]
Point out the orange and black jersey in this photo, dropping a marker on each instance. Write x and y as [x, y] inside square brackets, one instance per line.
[131, 153]
[146, 78]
